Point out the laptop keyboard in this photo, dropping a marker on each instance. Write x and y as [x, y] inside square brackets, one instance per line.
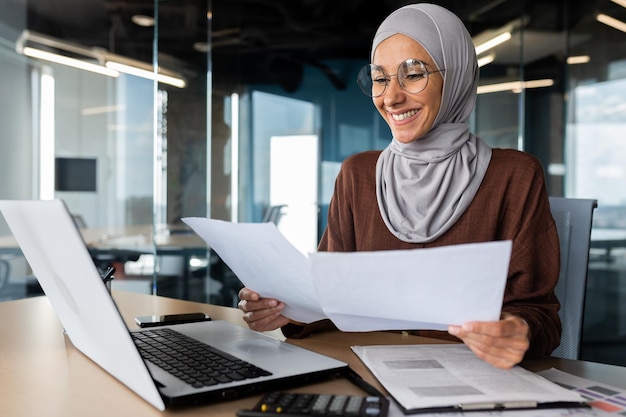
[194, 362]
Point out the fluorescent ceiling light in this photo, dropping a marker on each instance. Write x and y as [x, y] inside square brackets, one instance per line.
[580, 59]
[620, 2]
[142, 20]
[493, 42]
[140, 72]
[491, 38]
[611, 21]
[97, 60]
[90, 111]
[514, 86]
[487, 59]
[70, 62]
[547, 82]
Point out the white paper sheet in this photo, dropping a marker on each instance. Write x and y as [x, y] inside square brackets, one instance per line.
[365, 291]
[448, 375]
[412, 289]
[265, 261]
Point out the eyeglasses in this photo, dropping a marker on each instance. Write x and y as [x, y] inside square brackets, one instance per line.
[412, 76]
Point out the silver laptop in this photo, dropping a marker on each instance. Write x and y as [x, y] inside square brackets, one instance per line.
[61, 262]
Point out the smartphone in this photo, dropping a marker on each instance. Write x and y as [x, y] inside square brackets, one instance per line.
[167, 319]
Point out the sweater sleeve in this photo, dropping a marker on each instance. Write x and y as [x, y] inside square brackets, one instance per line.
[530, 292]
[535, 265]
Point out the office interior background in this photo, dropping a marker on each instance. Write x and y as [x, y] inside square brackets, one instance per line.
[260, 107]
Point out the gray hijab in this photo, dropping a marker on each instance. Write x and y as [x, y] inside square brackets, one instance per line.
[425, 186]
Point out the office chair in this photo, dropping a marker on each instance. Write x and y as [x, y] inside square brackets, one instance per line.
[573, 217]
[5, 272]
[273, 214]
[30, 283]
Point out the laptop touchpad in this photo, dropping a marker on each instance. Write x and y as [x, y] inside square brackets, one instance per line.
[258, 347]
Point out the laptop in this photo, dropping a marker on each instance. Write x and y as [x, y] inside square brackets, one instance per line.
[59, 258]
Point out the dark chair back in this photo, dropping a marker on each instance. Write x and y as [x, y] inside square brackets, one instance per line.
[573, 217]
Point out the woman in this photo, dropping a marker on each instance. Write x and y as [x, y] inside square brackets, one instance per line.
[437, 184]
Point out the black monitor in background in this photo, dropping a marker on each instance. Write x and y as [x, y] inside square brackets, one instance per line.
[75, 174]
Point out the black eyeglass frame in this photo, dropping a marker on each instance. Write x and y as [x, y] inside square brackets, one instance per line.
[365, 81]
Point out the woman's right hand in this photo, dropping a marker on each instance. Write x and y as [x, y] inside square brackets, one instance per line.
[261, 314]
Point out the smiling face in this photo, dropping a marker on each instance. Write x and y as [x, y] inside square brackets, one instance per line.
[410, 116]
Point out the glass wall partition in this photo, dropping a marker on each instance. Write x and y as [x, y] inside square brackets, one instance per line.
[596, 167]
[17, 142]
[88, 124]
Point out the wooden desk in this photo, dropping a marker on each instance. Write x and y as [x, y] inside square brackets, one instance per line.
[130, 238]
[42, 374]
[178, 241]
[108, 244]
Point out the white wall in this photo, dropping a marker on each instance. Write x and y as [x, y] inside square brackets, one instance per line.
[82, 130]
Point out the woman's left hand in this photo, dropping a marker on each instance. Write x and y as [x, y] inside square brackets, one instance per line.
[501, 343]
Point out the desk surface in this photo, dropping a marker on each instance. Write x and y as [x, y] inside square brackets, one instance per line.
[138, 237]
[43, 374]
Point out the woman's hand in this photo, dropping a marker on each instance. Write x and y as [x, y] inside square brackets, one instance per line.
[261, 314]
[501, 343]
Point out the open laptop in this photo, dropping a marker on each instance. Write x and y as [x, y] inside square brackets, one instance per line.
[61, 262]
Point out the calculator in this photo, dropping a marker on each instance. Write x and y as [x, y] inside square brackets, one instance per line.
[290, 404]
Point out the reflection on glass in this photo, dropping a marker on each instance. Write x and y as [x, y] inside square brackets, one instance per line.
[46, 137]
[596, 167]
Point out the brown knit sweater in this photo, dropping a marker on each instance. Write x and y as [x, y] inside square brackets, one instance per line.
[511, 204]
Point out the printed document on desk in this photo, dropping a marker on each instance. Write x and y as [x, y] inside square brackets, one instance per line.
[604, 399]
[450, 377]
[365, 291]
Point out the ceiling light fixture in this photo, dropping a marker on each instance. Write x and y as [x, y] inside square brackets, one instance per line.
[487, 59]
[611, 21]
[96, 60]
[38, 46]
[491, 38]
[70, 62]
[493, 42]
[580, 59]
[620, 2]
[514, 86]
[142, 20]
[146, 73]
[91, 111]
